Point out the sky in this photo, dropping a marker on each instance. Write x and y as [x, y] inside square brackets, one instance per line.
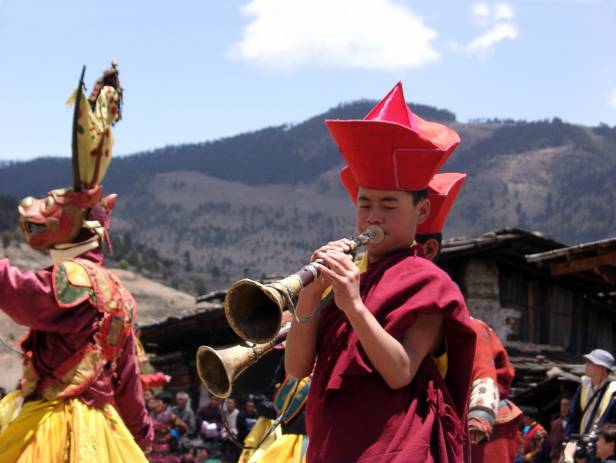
[195, 71]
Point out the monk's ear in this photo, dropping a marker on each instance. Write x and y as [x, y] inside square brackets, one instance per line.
[423, 210]
[431, 249]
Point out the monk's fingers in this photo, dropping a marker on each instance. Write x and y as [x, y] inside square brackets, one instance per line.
[345, 245]
[331, 272]
[329, 275]
[335, 261]
[346, 260]
[332, 247]
[346, 264]
[339, 275]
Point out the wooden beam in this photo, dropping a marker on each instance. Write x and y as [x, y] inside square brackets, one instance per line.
[580, 265]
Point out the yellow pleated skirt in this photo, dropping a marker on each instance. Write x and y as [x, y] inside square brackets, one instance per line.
[287, 448]
[64, 431]
[277, 448]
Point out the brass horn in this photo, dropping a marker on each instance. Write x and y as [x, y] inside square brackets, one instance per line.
[219, 368]
[254, 310]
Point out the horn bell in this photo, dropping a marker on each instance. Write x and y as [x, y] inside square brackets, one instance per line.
[219, 368]
[254, 310]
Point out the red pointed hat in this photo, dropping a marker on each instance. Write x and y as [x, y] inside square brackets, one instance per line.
[391, 148]
[442, 193]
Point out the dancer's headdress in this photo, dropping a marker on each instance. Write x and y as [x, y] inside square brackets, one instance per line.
[64, 213]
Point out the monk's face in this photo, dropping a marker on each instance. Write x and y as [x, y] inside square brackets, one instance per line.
[393, 211]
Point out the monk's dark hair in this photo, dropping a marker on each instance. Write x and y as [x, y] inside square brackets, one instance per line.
[423, 237]
[419, 195]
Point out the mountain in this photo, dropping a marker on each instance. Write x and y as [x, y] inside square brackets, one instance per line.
[260, 202]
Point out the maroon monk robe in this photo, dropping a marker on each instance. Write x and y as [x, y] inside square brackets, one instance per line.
[352, 414]
[58, 333]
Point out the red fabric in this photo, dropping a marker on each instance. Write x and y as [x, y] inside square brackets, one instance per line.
[58, 333]
[556, 439]
[391, 148]
[352, 415]
[502, 446]
[491, 359]
[153, 380]
[442, 193]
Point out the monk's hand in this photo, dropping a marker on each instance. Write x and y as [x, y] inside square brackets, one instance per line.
[339, 270]
[316, 288]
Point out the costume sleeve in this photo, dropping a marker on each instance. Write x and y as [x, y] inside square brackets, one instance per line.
[484, 401]
[129, 396]
[28, 298]
[573, 417]
[151, 381]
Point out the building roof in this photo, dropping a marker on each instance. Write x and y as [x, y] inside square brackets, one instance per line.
[594, 260]
[498, 240]
[205, 325]
[543, 373]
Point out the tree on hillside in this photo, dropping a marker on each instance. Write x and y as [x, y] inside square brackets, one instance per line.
[8, 213]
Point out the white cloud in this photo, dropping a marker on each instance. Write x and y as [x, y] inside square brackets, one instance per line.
[485, 14]
[369, 34]
[503, 11]
[481, 10]
[491, 37]
[613, 98]
[498, 21]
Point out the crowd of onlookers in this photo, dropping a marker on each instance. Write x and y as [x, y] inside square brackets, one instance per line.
[210, 433]
[540, 445]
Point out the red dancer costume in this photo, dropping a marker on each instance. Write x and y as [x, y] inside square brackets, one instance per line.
[491, 418]
[490, 412]
[353, 414]
[81, 387]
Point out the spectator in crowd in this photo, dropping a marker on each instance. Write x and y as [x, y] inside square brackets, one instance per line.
[231, 452]
[557, 431]
[533, 436]
[246, 419]
[185, 416]
[165, 434]
[148, 398]
[209, 421]
[606, 443]
[203, 454]
[594, 402]
[189, 455]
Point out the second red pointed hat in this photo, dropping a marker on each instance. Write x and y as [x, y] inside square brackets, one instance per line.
[442, 193]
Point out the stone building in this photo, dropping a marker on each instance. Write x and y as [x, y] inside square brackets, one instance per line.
[523, 300]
